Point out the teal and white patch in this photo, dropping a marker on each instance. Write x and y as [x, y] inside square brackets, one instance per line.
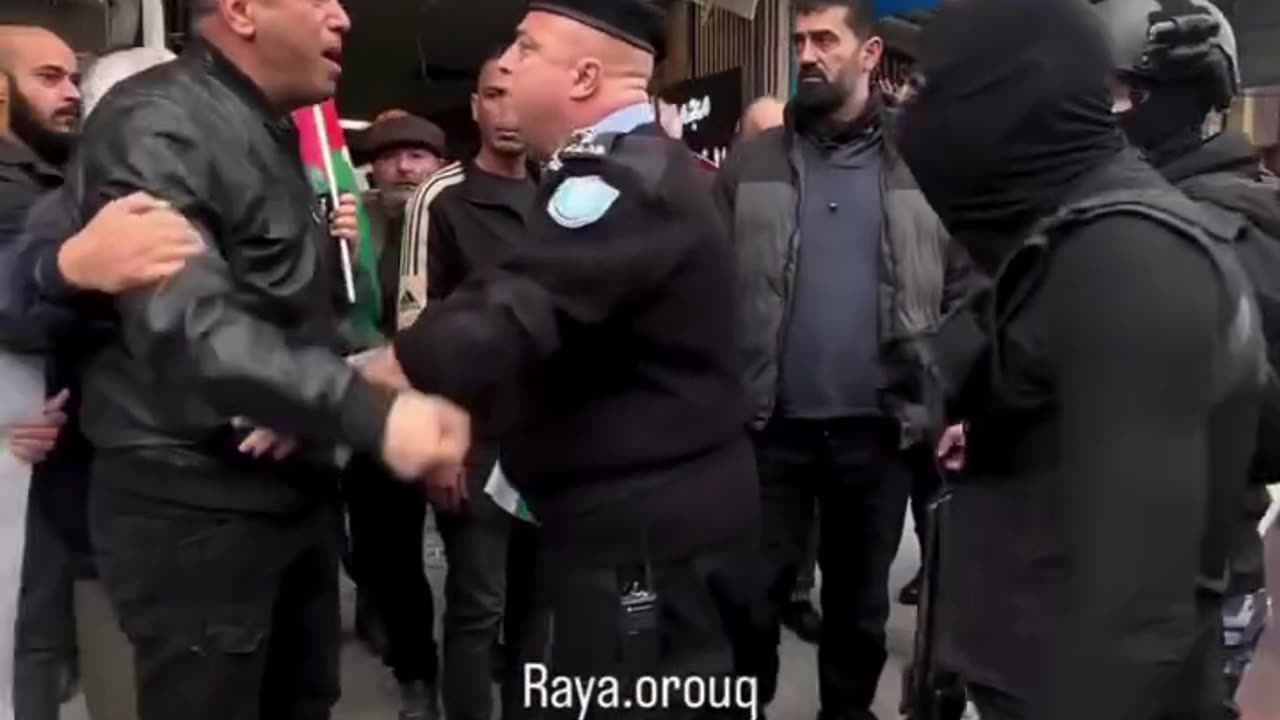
[581, 201]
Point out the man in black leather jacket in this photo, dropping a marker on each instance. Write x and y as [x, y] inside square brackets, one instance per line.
[222, 564]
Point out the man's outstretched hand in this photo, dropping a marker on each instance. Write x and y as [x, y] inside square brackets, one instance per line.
[132, 242]
[426, 438]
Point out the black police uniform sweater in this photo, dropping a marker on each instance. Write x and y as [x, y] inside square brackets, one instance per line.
[631, 439]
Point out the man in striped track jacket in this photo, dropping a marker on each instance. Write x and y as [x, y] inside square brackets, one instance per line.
[458, 224]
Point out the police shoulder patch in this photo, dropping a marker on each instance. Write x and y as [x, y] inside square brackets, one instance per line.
[581, 201]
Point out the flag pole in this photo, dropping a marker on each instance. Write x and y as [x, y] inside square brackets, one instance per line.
[322, 132]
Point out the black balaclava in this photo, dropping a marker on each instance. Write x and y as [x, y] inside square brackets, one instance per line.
[1014, 108]
[1169, 120]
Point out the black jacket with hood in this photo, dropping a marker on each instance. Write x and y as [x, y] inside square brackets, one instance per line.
[1083, 527]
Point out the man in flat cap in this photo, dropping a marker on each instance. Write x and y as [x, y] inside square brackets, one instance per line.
[394, 603]
[403, 150]
[617, 314]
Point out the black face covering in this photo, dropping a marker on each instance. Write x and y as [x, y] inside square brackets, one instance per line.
[1014, 109]
[1169, 121]
[51, 146]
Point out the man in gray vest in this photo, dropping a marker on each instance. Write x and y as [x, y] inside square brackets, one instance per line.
[844, 269]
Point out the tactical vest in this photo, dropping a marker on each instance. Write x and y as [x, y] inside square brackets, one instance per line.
[1243, 366]
[1259, 252]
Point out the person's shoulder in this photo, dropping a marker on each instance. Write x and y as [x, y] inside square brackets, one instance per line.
[18, 187]
[764, 154]
[1122, 234]
[650, 161]
[581, 196]
[15, 203]
[632, 165]
[137, 110]
[1136, 261]
[14, 177]
[770, 140]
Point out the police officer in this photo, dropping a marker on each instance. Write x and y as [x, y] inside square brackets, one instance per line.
[618, 315]
[1177, 69]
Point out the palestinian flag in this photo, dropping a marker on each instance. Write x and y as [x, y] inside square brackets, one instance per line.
[324, 152]
[507, 497]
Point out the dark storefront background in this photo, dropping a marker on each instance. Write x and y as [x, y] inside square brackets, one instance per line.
[709, 108]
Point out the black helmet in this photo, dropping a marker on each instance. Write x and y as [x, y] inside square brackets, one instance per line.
[1158, 42]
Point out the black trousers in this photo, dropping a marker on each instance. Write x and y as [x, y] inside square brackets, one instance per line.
[1195, 691]
[45, 636]
[702, 611]
[807, 575]
[475, 542]
[232, 616]
[526, 623]
[387, 520]
[861, 483]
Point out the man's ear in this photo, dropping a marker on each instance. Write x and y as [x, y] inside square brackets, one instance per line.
[872, 52]
[240, 16]
[588, 73]
[475, 108]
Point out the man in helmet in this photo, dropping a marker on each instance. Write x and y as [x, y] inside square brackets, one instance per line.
[1177, 70]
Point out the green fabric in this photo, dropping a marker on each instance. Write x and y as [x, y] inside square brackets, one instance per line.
[365, 314]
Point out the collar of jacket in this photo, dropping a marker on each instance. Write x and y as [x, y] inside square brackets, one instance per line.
[827, 132]
[15, 153]
[485, 188]
[224, 71]
[880, 116]
[1226, 152]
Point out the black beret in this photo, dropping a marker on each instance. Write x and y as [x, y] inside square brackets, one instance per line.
[638, 22]
[397, 130]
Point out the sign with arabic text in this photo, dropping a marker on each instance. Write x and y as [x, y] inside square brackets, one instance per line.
[709, 109]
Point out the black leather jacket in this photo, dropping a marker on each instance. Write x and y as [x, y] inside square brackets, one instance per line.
[250, 327]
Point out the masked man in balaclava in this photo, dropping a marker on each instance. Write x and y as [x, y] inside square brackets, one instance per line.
[1113, 392]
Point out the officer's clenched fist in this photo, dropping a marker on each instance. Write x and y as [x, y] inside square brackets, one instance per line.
[425, 436]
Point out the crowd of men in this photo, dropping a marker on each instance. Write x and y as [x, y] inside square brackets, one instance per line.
[628, 392]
